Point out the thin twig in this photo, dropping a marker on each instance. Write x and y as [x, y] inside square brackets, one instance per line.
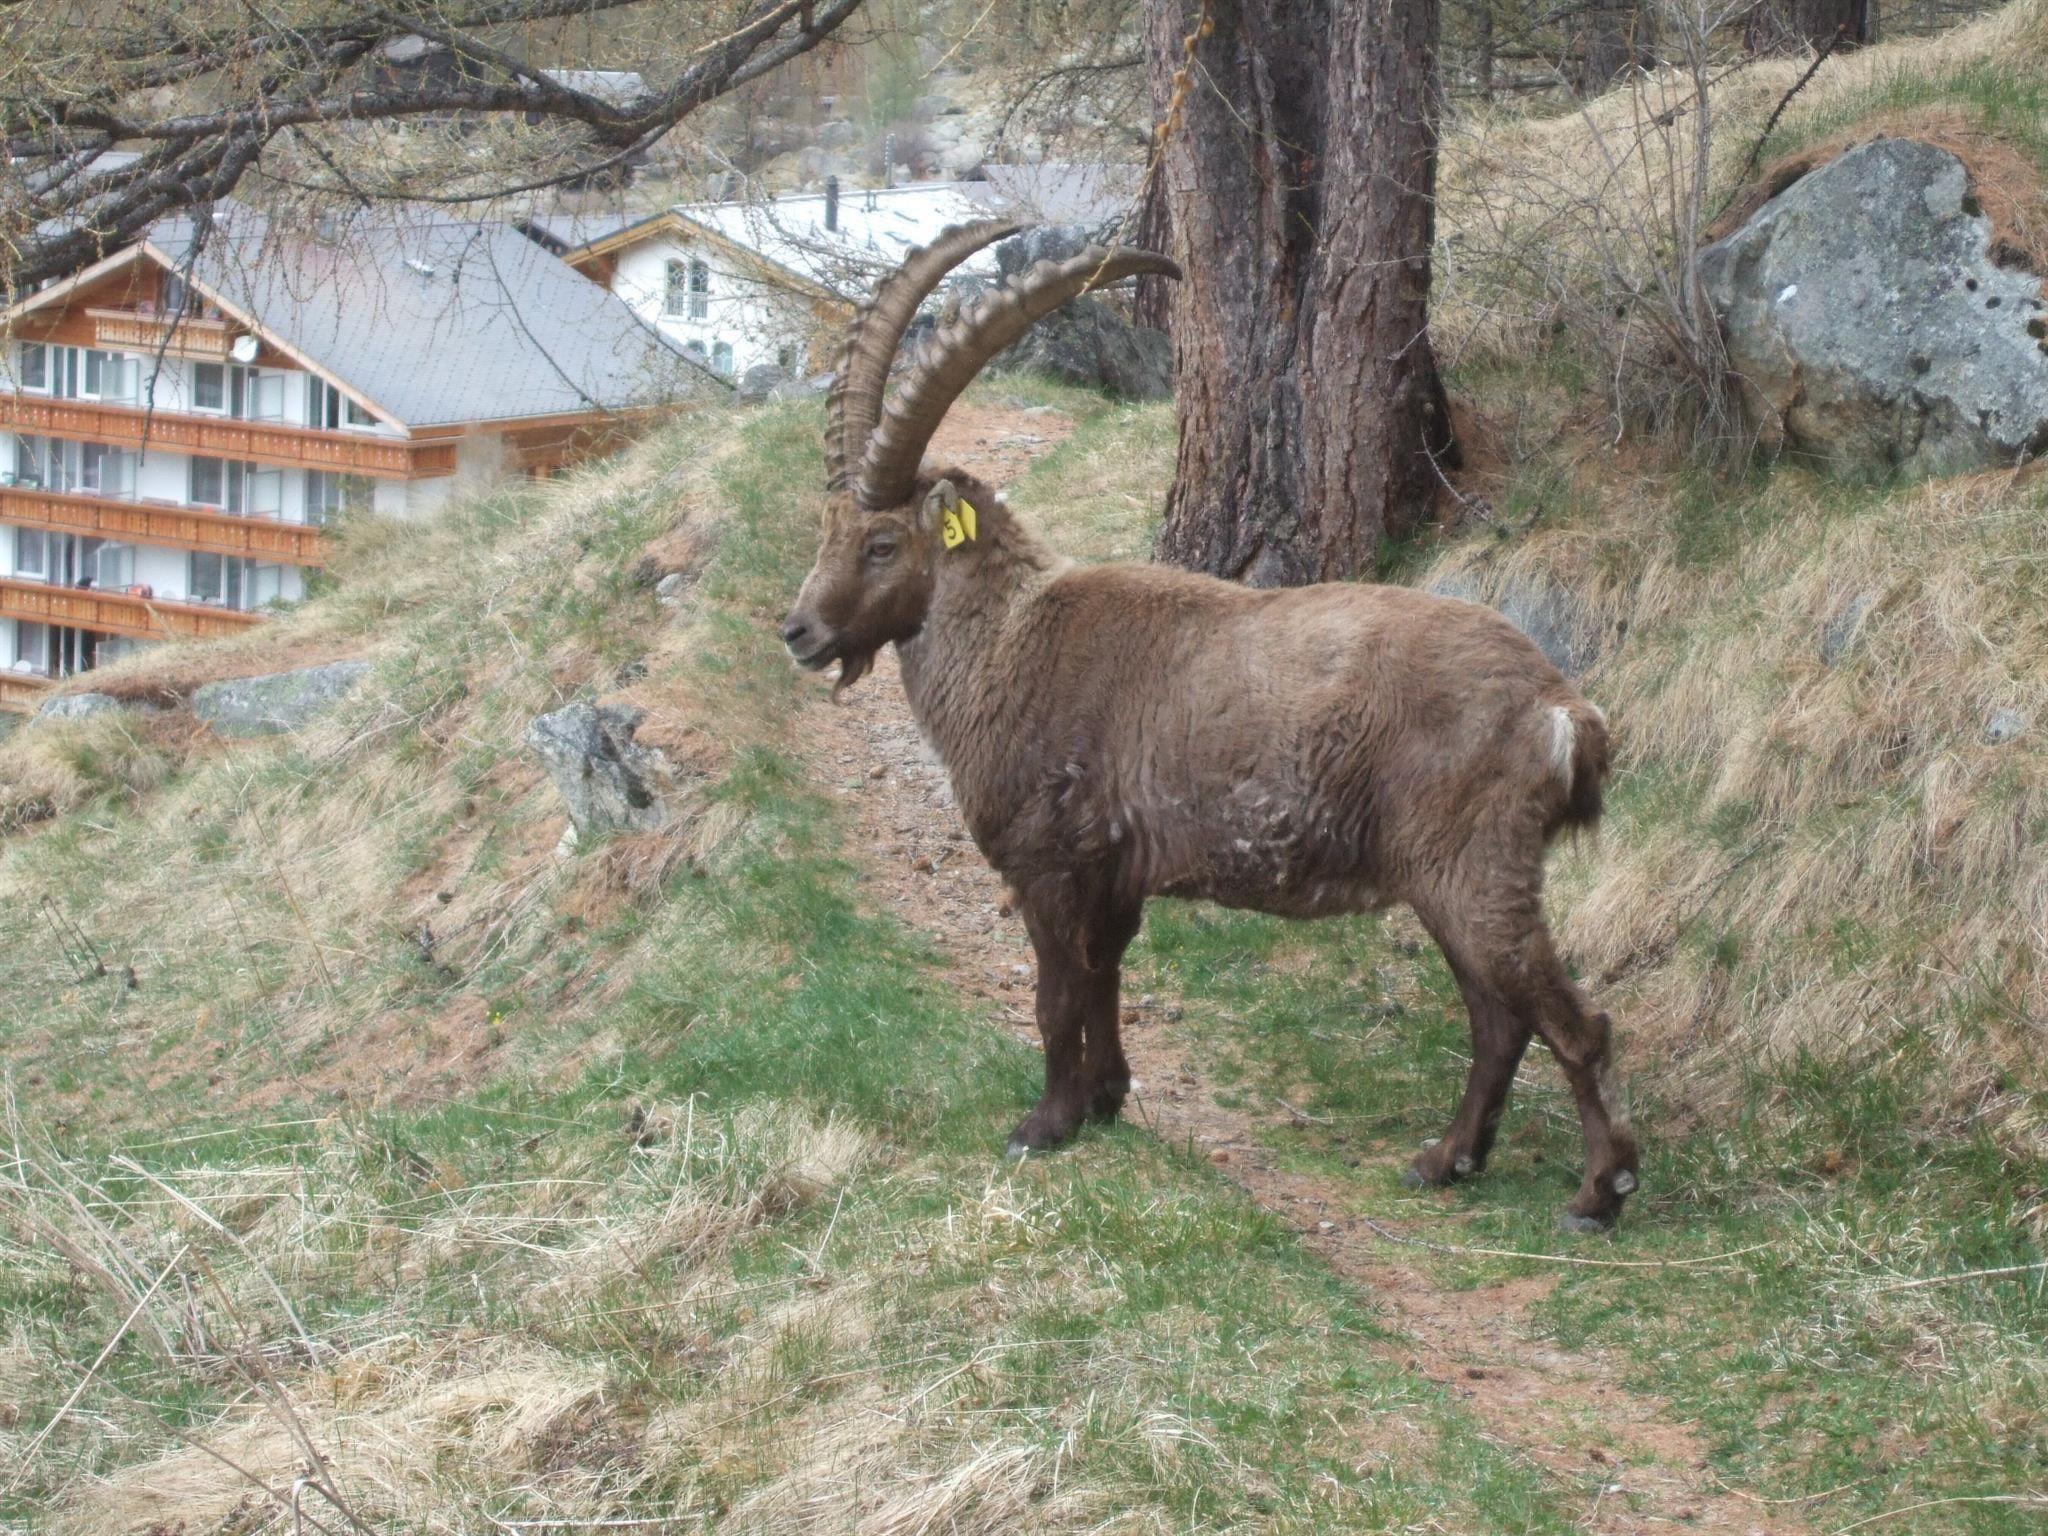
[1556, 1258]
[1968, 1498]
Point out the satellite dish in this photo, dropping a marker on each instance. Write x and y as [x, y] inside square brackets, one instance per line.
[244, 349]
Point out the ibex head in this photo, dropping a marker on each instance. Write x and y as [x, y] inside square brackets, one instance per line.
[885, 521]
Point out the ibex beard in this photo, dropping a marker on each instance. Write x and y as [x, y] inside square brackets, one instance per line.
[1119, 732]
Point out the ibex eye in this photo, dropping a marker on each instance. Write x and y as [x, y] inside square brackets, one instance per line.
[882, 549]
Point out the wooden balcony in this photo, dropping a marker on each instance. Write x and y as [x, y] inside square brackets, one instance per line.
[22, 693]
[221, 437]
[169, 527]
[115, 613]
[123, 330]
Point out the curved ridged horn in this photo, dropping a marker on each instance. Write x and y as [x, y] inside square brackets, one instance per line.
[854, 402]
[888, 470]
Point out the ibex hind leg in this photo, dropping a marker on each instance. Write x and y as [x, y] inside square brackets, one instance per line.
[1500, 1035]
[1580, 1036]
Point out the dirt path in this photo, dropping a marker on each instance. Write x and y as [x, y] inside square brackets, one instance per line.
[1621, 1456]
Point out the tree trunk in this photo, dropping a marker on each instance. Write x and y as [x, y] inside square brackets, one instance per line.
[1783, 26]
[1153, 305]
[1301, 186]
[1617, 33]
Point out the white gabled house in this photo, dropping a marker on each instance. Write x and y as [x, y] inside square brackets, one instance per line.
[746, 282]
[181, 421]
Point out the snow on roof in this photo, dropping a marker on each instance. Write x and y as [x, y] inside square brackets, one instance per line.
[437, 321]
[877, 226]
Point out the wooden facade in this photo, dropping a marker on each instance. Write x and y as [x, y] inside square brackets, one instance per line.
[165, 525]
[115, 613]
[225, 437]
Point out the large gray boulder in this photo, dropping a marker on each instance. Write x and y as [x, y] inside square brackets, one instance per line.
[609, 781]
[1085, 342]
[277, 702]
[1548, 612]
[1870, 327]
[1089, 344]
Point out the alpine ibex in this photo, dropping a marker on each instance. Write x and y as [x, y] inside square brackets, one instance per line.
[1120, 732]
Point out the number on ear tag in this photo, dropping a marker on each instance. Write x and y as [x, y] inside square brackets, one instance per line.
[957, 526]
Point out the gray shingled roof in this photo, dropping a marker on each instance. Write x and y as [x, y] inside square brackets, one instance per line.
[440, 321]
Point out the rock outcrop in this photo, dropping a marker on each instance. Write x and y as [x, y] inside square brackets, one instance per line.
[1085, 342]
[1871, 327]
[81, 706]
[609, 781]
[278, 702]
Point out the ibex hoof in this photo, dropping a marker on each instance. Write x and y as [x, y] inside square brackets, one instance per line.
[1624, 1183]
[1572, 1221]
[1464, 1166]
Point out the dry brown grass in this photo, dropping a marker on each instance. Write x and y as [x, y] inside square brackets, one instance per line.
[1828, 859]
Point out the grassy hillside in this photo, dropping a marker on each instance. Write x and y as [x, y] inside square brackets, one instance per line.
[430, 1175]
[657, 1180]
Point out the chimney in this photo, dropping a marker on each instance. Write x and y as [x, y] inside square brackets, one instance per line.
[832, 203]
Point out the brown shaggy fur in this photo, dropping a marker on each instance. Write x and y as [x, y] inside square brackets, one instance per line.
[1121, 732]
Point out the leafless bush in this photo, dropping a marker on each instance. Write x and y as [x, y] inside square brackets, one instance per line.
[1596, 249]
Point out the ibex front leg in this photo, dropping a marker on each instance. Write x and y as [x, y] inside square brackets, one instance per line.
[1080, 974]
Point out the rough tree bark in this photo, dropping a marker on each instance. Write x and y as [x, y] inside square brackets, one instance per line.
[1779, 26]
[1300, 184]
[1153, 305]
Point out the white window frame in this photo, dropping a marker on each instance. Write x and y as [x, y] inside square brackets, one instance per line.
[220, 409]
[38, 540]
[40, 350]
[700, 288]
[121, 557]
[675, 288]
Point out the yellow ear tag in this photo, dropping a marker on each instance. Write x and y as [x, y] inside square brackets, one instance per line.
[957, 527]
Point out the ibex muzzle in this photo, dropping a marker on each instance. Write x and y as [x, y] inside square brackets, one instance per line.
[1119, 732]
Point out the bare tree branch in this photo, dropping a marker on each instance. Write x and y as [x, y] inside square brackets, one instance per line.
[199, 104]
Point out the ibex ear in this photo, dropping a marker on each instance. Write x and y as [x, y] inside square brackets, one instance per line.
[939, 500]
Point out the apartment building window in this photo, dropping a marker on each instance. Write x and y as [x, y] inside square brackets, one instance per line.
[233, 582]
[695, 349]
[233, 486]
[328, 407]
[206, 482]
[700, 289]
[785, 357]
[35, 366]
[32, 553]
[209, 386]
[108, 376]
[721, 356]
[216, 579]
[675, 290]
[105, 471]
[39, 462]
[32, 648]
[114, 567]
[329, 495]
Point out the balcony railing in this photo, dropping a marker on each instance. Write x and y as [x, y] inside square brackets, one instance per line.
[221, 437]
[173, 527]
[122, 330]
[116, 613]
[22, 692]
